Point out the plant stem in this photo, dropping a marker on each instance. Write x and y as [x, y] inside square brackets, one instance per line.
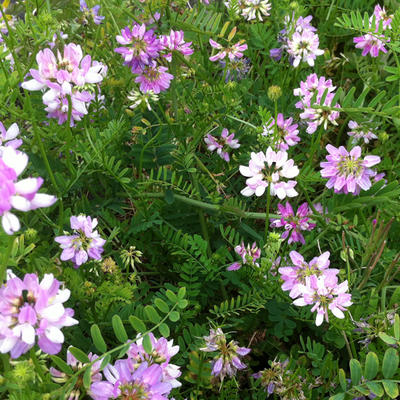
[6, 256]
[267, 213]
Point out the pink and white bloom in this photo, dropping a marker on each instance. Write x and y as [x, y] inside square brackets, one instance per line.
[303, 46]
[154, 78]
[286, 132]
[382, 15]
[20, 195]
[232, 52]
[8, 137]
[360, 133]
[255, 9]
[83, 244]
[223, 144]
[249, 256]
[175, 41]
[294, 223]
[371, 43]
[347, 171]
[30, 310]
[325, 294]
[270, 169]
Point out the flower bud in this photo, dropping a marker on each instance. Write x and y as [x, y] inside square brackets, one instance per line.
[274, 92]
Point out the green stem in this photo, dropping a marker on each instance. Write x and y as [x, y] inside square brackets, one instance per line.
[6, 256]
[267, 213]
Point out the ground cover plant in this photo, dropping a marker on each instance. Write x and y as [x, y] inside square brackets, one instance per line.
[199, 200]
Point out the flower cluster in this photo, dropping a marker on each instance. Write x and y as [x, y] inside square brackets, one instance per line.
[89, 13]
[250, 9]
[293, 223]
[141, 375]
[346, 171]
[283, 133]
[373, 42]
[314, 283]
[233, 52]
[85, 243]
[227, 360]
[29, 309]
[70, 81]
[226, 142]
[20, 195]
[249, 255]
[300, 40]
[314, 86]
[141, 50]
[267, 170]
[360, 133]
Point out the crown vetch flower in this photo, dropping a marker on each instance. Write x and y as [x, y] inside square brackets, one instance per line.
[21, 195]
[140, 46]
[268, 169]
[346, 171]
[358, 132]
[287, 133]
[255, 9]
[324, 293]
[29, 309]
[85, 243]
[91, 12]
[382, 15]
[221, 145]
[232, 52]
[228, 358]
[247, 254]
[162, 352]
[175, 41]
[154, 78]
[371, 43]
[139, 98]
[123, 380]
[303, 46]
[9, 136]
[293, 223]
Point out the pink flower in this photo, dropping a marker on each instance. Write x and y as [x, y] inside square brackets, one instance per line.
[154, 78]
[287, 134]
[381, 15]
[371, 43]
[175, 41]
[21, 195]
[359, 132]
[346, 171]
[29, 309]
[303, 46]
[85, 243]
[9, 136]
[324, 293]
[232, 52]
[221, 145]
[268, 169]
[248, 255]
[292, 223]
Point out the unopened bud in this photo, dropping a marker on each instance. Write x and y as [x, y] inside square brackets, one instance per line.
[274, 92]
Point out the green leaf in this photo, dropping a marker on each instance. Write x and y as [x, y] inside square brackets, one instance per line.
[62, 365]
[171, 296]
[79, 355]
[396, 327]
[390, 363]
[152, 314]
[137, 324]
[148, 347]
[169, 196]
[119, 329]
[161, 305]
[342, 379]
[387, 339]
[371, 366]
[361, 389]
[339, 396]
[164, 330]
[183, 303]
[174, 316]
[355, 371]
[375, 388]
[182, 293]
[87, 377]
[97, 338]
[391, 389]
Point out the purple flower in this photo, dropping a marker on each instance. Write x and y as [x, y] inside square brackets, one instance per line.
[293, 223]
[287, 134]
[29, 309]
[175, 41]
[346, 171]
[381, 15]
[232, 52]
[154, 78]
[248, 256]
[227, 141]
[140, 47]
[371, 43]
[85, 243]
[276, 53]
[21, 195]
[227, 361]
[123, 380]
[91, 12]
[359, 132]
[9, 136]
[268, 169]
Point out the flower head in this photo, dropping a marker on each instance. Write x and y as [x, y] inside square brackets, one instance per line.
[154, 78]
[9, 136]
[223, 144]
[91, 12]
[269, 169]
[346, 171]
[249, 255]
[371, 43]
[287, 133]
[29, 309]
[83, 244]
[360, 133]
[304, 47]
[232, 52]
[255, 9]
[139, 98]
[175, 41]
